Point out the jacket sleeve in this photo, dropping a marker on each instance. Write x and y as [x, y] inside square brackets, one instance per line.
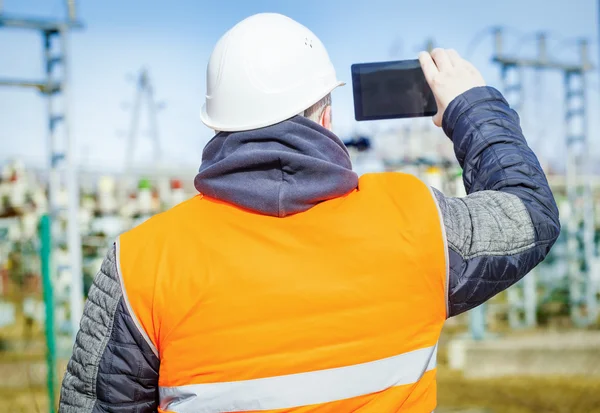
[112, 368]
[509, 220]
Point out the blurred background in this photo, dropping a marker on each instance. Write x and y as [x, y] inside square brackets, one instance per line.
[100, 129]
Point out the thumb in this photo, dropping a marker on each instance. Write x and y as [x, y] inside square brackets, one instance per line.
[437, 119]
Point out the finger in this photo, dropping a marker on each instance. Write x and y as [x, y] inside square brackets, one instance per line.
[441, 59]
[429, 68]
[454, 57]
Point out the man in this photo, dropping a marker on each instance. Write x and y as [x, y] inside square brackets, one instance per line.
[288, 283]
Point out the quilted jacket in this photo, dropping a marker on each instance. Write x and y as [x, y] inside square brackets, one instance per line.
[496, 234]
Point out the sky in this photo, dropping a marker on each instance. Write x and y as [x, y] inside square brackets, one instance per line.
[174, 39]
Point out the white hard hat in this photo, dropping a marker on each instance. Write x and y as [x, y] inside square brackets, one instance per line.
[264, 70]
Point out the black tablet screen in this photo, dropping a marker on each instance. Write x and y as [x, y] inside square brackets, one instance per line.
[389, 90]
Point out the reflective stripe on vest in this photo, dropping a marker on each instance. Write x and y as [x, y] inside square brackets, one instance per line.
[294, 390]
[335, 309]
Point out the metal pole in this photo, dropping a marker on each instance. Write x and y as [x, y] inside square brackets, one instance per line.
[530, 295]
[515, 306]
[542, 49]
[477, 322]
[588, 201]
[71, 11]
[53, 176]
[134, 125]
[571, 229]
[498, 41]
[513, 92]
[45, 258]
[73, 234]
[152, 115]
[575, 274]
[430, 45]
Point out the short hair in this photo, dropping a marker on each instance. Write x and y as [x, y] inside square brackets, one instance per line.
[315, 111]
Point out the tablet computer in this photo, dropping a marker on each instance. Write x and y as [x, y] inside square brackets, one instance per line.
[391, 90]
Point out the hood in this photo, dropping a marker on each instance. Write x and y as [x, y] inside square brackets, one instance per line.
[279, 170]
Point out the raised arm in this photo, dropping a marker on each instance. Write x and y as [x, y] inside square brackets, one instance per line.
[508, 221]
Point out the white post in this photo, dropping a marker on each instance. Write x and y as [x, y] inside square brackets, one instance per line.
[73, 231]
[588, 207]
[515, 306]
[530, 295]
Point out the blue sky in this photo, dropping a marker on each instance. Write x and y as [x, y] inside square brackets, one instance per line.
[173, 39]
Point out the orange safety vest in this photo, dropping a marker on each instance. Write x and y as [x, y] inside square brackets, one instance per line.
[335, 309]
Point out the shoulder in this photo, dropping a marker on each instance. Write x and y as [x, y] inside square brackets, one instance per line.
[395, 185]
[388, 178]
[165, 222]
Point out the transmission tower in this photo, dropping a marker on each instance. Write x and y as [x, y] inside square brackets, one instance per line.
[580, 216]
[144, 93]
[55, 89]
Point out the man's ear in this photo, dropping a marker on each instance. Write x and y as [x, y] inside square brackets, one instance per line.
[325, 120]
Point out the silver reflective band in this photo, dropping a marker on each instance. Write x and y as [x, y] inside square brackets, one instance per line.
[136, 321]
[293, 390]
[446, 257]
